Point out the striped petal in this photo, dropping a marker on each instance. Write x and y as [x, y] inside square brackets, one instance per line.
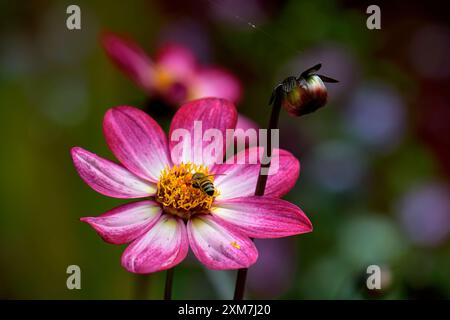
[245, 135]
[199, 126]
[262, 217]
[109, 178]
[131, 59]
[219, 247]
[125, 223]
[137, 141]
[282, 175]
[239, 178]
[164, 246]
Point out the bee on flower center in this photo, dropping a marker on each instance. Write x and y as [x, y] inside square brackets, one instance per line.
[203, 182]
[185, 190]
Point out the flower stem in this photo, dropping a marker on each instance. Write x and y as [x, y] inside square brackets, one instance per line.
[273, 125]
[262, 181]
[168, 286]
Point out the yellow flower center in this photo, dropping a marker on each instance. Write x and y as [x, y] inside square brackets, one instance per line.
[180, 194]
[179, 89]
[163, 79]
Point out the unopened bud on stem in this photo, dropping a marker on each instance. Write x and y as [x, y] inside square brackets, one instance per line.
[304, 94]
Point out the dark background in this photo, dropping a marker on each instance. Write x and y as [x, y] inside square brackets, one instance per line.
[375, 160]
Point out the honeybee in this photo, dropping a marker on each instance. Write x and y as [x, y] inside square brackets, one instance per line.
[201, 181]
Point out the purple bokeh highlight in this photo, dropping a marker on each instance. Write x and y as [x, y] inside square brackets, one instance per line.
[376, 116]
[273, 274]
[424, 213]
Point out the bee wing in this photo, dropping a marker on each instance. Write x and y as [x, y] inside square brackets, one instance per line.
[215, 174]
[327, 79]
[313, 69]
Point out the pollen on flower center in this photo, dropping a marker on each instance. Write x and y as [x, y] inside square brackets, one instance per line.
[177, 193]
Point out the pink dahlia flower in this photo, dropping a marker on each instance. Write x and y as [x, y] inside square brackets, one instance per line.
[174, 215]
[173, 74]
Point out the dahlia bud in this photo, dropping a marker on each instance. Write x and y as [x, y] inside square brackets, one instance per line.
[304, 94]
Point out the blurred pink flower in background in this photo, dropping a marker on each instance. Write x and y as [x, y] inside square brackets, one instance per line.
[175, 214]
[191, 33]
[173, 74]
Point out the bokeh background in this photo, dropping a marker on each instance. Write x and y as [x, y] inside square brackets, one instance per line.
[375, 161]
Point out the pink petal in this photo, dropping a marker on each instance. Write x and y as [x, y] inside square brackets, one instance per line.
[216, 82]
[131, 59]
[125, 223]
[283, 176]
[246, 134]
[207, 113]
[246, 123]
[239, 178]
[109, 178]
[137, 141]
[176, 60]
[262, 217]
[219, 247]
[165, 245]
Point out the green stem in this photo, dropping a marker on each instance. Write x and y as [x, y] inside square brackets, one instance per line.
[261, 183]
[168, 286]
